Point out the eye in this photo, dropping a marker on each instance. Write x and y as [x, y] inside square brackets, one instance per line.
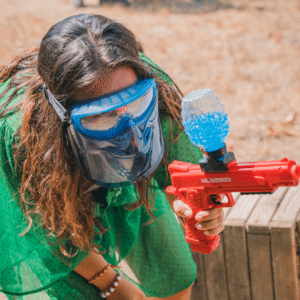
[101, 121]
[139, 106]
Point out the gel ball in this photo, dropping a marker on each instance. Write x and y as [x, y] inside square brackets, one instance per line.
[205, 120]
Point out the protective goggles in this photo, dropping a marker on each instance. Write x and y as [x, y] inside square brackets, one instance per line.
[116, 138]
[107, 116]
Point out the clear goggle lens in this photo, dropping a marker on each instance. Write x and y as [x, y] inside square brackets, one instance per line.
[108, 120]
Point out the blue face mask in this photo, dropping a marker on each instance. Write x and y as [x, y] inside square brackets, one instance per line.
[116, 138]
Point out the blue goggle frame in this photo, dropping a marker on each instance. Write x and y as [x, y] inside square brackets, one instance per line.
[111, 102]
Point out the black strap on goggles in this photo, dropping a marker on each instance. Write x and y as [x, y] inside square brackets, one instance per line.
[59, 109]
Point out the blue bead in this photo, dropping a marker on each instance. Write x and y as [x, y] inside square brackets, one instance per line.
[208, 130]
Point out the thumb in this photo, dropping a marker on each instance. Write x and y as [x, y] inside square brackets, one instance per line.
[181, 209]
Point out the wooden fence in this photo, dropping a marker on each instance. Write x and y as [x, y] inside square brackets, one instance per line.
[258, 256]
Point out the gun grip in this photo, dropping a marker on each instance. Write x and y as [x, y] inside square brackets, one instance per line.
[198, 240]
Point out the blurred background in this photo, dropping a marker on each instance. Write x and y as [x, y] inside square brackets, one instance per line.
[246, 51]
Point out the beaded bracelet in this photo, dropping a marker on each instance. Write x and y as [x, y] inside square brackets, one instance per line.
[113, 286]
[99, 274]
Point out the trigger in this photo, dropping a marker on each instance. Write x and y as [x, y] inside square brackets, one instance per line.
[215, 200]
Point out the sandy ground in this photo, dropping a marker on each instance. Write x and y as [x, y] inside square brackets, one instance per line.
[247, 52]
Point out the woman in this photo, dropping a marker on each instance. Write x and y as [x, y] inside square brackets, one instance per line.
[89, 125]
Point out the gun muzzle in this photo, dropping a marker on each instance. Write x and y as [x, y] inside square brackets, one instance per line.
[295, 171]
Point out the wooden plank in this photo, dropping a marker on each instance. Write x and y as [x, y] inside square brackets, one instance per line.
[289, 206]
[242, 209]
[235, 246]
[260, 267]
[215, 268]
[199, 290]
[259, 248]
[284, 257]
[215, 271]
[227, 209]
[264, 211]
[284, 263]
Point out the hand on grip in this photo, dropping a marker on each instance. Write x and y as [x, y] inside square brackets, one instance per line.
[210, 221]
[202, 227]
[202, 231]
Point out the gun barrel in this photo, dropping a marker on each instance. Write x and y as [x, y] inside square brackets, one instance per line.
[260, 177]
[295, 171]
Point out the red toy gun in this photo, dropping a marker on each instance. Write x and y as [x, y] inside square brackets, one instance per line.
[198, 186]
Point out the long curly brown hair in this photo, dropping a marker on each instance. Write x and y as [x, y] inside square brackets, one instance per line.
[71, 55]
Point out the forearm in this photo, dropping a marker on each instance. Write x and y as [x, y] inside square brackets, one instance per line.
[93, 264]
